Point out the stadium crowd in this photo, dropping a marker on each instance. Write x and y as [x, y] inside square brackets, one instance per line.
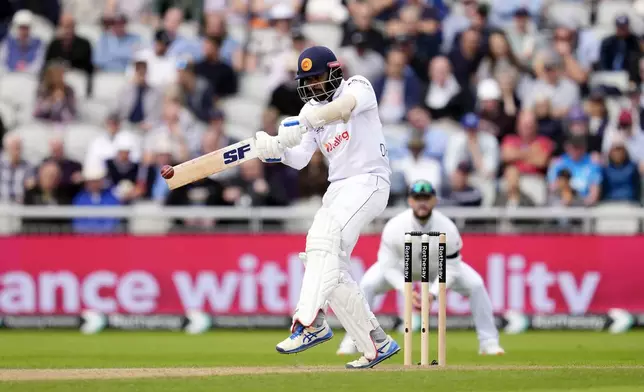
[498, 102]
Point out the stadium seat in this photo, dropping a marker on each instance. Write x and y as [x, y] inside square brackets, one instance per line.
[77, 138]
[92, 111]
[253, 86]
[90, 32]
[18, 88]
[152, 222]
[564, 12]
[487, 188]
[35, 140]
[618, 79]
[8, 224]
[607, 10]
[9, 115]
[242, 112]
[617, 226]
[144, 32]
[107, 86]
[78, 82]
[323, 34]
[189, 30]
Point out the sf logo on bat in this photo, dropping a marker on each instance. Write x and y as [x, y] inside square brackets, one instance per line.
[232, 156]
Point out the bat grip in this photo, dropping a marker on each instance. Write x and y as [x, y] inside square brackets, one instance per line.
[295, 123]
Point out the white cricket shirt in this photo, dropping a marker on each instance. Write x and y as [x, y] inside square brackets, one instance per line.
[357, 147]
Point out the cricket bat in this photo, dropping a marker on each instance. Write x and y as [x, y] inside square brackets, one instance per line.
[214, 162]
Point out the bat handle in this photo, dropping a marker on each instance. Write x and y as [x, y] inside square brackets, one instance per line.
[293, 123]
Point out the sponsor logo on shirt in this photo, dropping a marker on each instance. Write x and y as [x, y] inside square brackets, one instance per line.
[334, 143]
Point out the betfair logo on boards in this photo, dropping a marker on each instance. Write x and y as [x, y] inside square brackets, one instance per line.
[334, 143]
[306, 64]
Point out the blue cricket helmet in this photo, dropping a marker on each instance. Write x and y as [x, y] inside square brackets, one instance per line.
[313, 63]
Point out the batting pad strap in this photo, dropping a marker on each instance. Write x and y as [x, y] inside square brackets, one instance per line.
[339, 109]
[352, 310]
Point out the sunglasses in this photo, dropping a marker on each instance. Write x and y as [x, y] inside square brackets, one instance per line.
[422, 188]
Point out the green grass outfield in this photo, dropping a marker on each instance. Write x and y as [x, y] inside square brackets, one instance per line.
[243, 361]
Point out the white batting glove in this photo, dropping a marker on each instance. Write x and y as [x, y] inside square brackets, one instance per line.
[290, 132]
[268, 148]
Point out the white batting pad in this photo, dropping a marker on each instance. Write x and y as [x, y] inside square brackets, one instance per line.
[351, 308]
[322, 272]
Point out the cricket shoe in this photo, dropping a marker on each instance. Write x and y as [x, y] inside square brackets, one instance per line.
[304, 338]
[385, 349]
[491, 347]
[347, 347]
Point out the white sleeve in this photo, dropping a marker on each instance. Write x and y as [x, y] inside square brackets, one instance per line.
[299, 156]
[362, 91]
[453, 153]
[491, 156]
[390, 256]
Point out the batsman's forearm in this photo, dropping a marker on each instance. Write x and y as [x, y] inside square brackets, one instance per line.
[339, 109]
[297, 157]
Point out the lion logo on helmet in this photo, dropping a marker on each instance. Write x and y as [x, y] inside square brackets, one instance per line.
[306, 64]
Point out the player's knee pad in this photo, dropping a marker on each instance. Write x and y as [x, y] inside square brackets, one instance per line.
[325, 234]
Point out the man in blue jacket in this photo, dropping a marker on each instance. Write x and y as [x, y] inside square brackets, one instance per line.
[96, 195]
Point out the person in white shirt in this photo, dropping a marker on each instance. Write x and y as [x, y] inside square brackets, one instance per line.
[340, 118]
[416, 165]
[387, 273]
[161, 68]
[103, 147]
[478, 148]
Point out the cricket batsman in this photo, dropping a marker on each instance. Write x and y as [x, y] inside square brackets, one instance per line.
[387, 273]
[340, 117]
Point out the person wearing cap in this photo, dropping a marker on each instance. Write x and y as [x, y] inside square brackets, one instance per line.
[195, 91]
[621, 180]
[359, 57]
[95, 193]
[619, 51]
[387, 273]
[398, 90]
[480, 149]
[522, 34]
[221, 76]
[493, 116]
[115, 47]
[22, 52]
[417, 166]
[71, 48]
[274, 42]
[122, 169]
[284, 98]
[585, 174]
[633, 138]
[362, 21]
[562, 92]
[340, 118]
[444, 96]
[160, 67]
[577, 123]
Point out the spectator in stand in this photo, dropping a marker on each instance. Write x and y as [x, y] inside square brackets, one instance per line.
[620, 177]
[95, 194]
[585, 174]
[421, 24]
[512, 196]
[150, 176]
[70, 174]
[578, 124]
[87, 11]
[398, 90]
[359, 59]
[417, 166]
[457, 21]
[230, 51]
[493, 117]
[55, 100]
[46, 192]
[466, 57]
[619, 51]
[161, 68]
[508, 82]
[22, 52]
[115, 48]
[526, 153]
[180, 46]
[285, 98]
[192, 9]
[15, 173]
[435, 139]
[122, 172]
[478, 20]
[103, 147]
[460, 193]
[562, 92]
[139, 102]
[252, 189]
[500, 56]
[479, 149]
[180, 125]
[562, 194]
[598, 116]
[522, 35]
[633, 137]
[361, 20]
[445, 97]
[266, 46]
[578, 53]
[504, 10]
[313, 180]
[75, 50]
[195, 92]
[547, 125]
[221, 76]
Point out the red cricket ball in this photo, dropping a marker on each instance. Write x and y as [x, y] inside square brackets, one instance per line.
[167, 172]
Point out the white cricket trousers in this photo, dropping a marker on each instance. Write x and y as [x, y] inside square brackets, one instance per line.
[461, 278]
